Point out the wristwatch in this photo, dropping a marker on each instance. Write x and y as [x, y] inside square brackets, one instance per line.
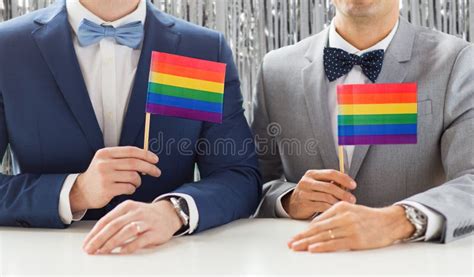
[418, 219]
[181, 208]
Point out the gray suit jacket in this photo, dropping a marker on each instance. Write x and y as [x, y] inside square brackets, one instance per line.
[293, 131]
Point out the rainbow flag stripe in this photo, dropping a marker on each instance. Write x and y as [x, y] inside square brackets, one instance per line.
[377, 114]
[186, 87]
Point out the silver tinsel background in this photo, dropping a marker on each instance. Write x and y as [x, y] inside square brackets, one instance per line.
[255, 27]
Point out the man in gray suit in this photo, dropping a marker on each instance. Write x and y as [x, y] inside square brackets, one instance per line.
[403, 192]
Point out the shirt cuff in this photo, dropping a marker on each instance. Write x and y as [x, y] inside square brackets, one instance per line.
[435, 223]
[279, 210]
[193, 211]
[65, 213]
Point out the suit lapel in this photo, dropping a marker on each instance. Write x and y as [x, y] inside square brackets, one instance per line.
[159, 36]
[54, 41]
[316, 95]
[394, 71]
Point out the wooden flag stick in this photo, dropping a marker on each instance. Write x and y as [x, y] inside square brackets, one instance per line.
[341, 159]
[147, 132]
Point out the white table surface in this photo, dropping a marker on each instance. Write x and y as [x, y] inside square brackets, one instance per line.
[243, 247]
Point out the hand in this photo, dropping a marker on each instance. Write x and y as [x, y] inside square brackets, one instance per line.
[112, 172]
[317, 191]
[133, 226]
[353, 227]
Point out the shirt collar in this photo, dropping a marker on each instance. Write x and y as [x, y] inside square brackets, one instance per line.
[77, 12]
[336, 41]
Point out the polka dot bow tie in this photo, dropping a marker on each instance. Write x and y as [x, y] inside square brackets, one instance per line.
[338, 63]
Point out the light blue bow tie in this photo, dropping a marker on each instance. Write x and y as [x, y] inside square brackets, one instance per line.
[130, 34]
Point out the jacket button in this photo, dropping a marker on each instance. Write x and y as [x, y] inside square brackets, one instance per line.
[457, 232]
[23, 224]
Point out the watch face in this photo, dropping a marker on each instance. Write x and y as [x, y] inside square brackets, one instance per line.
[420, 216]
[184, 206]
[181, 207]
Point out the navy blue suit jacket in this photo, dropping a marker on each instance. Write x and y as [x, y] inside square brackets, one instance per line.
[47, 118]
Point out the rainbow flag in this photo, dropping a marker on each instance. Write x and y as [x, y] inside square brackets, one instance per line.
[377, 114]
[186, 87]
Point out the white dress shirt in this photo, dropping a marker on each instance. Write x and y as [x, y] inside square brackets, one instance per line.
[109, 71]
[356, 76]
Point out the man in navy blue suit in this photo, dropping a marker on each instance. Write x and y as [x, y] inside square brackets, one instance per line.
[73, 85]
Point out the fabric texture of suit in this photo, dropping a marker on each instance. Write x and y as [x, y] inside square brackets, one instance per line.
[438, 172]
[47, 118]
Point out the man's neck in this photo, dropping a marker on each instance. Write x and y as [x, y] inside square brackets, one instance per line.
[364, 33]
[110, 10]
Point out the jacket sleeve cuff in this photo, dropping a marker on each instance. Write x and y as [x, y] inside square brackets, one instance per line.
[279, 210]
[65, 212]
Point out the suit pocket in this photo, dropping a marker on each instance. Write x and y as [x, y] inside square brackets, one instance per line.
[425, 108]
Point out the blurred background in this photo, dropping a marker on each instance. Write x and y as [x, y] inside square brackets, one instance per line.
[255, 27]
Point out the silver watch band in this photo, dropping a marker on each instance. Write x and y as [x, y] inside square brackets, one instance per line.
[419, 220]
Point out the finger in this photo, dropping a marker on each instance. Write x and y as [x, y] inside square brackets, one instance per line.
[110, 230]
[137, 165]
[143, 241]
[314, 229]
[332, 189]
[320, 207]
[117, 189]
[303, 244]
[338, 208]
[318, 197]
[120, 210]
[314, 207]
[330, 246]
[129, 152]
[330, 175]
[130, 177]
[130, 231]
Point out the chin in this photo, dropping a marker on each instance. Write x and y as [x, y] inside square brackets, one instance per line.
[360, 8]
